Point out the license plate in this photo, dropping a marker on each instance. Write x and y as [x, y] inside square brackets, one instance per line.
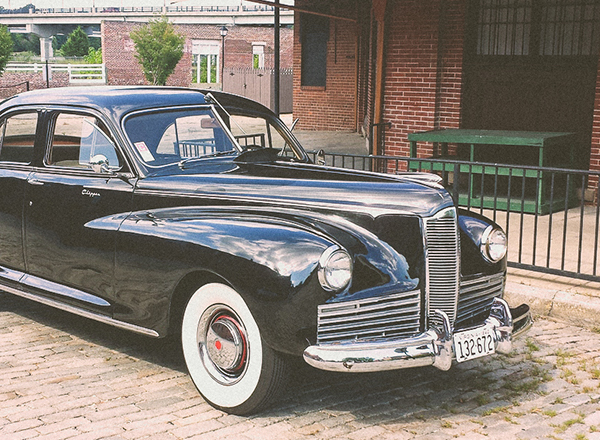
[471, 344]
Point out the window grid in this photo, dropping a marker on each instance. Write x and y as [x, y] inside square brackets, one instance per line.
[538, 27]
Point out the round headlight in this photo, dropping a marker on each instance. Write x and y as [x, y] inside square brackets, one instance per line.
[493, 244]
[335, 269]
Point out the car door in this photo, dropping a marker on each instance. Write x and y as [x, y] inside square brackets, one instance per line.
[68, 255]
[17, 138]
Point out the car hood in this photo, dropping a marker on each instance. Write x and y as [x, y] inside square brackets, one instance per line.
[307, 186]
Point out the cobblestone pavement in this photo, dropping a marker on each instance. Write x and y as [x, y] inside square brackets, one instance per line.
[64, 377]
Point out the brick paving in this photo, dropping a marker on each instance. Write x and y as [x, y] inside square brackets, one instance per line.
[64, 377]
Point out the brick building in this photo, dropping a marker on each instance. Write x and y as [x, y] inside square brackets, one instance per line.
[393, 67]
[245, 47]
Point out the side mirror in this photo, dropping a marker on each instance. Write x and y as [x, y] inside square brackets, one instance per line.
[99, 164]
[321, 157]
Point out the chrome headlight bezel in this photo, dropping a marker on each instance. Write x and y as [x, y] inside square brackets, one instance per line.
[494, 244]
[335, 269]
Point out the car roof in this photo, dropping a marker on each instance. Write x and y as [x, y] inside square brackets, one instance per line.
[120, 100]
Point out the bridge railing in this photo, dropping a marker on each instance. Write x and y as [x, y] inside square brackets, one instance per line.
[138, 9]
[78, 73]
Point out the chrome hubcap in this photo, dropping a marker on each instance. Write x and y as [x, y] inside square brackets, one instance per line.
[226, 344]
[223, 344]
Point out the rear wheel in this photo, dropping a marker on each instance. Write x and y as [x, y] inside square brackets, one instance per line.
[228, 361]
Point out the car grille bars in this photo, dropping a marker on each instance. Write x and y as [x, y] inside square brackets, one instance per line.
[442, 264]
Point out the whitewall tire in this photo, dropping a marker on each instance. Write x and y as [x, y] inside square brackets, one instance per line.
[226, 357]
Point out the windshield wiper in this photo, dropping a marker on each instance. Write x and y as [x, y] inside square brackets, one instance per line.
[184, 162]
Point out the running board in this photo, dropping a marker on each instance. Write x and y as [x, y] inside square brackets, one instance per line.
[77, 311]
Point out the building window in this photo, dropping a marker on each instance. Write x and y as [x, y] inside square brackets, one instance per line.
[538, 27]
[258, 55]
[314, 35]
[206, 55]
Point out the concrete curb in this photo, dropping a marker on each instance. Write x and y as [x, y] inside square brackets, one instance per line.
[574, 308]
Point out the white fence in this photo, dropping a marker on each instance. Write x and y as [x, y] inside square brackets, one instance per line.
[78, 73]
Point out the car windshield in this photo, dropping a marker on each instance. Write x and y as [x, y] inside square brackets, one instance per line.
[181, 136]
[166, 137]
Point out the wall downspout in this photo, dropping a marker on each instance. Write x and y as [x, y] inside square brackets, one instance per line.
[379, 9]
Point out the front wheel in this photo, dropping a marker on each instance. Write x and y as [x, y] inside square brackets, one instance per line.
[231, 366]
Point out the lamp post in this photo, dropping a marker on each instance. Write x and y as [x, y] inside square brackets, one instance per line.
[223, 35]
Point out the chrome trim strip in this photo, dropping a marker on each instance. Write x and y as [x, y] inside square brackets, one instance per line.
[374, 212]
[77, 311]
[59, 289]
[9, 274]
[476, 295]
[433, 347]
[387, 316]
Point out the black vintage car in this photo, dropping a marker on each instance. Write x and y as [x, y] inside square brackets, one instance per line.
[173, 211]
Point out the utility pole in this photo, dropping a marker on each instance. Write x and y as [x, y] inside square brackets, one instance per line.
[276, 63]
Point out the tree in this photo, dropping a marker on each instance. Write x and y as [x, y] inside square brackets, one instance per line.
[77, 45]
[26, 43]
[94, 56]
[159, 49]
[6, 46]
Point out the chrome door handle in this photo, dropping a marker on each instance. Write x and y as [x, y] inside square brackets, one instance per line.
[35, 182]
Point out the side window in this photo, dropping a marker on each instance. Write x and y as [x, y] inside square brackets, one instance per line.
[17, 136]
[77, 139]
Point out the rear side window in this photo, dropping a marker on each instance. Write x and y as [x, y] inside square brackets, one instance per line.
[77, 139]
[17, 137]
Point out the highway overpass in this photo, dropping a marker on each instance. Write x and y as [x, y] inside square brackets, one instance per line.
[48, 22]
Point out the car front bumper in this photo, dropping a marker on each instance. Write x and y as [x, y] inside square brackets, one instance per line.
[433, 347]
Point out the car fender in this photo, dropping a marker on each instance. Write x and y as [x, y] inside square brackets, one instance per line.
[270, 258]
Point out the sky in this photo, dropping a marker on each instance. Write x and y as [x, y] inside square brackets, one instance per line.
[43, 4]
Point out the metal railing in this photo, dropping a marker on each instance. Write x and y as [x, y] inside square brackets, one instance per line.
[551, 215]
[134, 9]
[78, 73]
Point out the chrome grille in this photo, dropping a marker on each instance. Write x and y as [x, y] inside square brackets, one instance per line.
[392, 315]
[476, 296]
[442, 264]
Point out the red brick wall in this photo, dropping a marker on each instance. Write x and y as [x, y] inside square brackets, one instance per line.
[238, 46]
[123, 68]
[595, 150]
[334, 106]
[12, 83]
[417, 97]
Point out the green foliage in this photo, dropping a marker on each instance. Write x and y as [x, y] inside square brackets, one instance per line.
[159, 49]
[58, 42]
[94, 56]
[95, 42]
[77, 45]
[6, 47]
[26, 43]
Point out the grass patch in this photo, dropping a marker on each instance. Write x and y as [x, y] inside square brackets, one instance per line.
[483, 399]
[497, 410]
[566, 425]
[528, 386]
[562, 357]
[531, 346]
